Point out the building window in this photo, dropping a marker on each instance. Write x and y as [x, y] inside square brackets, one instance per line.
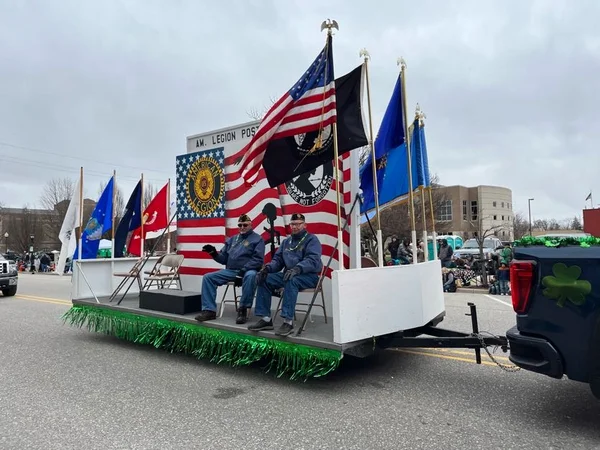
[509, 206]
[504, 234]
[494, 204]
[474, 210]
[503, 204]
[495, 217]
[465, 210]
[445, 211]
[502, 217]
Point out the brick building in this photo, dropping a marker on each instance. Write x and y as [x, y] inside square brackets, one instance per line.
[467, 209]
[17, 225]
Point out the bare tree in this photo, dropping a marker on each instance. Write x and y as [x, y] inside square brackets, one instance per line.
[150, 192]
[481, 233]
[395, 219]
[520, 226]
[23, 226]
[258, 114]
[56, 195]
[119, 205]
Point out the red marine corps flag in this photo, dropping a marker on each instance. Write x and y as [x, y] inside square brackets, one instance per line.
[155, 218]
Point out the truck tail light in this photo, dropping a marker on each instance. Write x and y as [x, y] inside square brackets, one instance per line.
[521, 282]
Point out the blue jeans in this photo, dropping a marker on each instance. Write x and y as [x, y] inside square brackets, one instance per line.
[503, 284]
[212, 280]
[273, 282]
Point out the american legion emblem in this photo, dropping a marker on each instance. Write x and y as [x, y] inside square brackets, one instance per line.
[311, 187]
[204, 182]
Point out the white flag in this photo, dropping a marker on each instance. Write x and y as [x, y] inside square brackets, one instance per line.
[67, 230]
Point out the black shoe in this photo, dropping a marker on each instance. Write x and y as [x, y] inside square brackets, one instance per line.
[261, 325]
[285, 329]
[242, 316]
[206, 315]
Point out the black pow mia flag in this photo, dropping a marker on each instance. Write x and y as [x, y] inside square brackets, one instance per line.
[288, 157]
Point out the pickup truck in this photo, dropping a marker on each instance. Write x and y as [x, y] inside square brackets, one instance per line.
[9, 277]
[555, 285]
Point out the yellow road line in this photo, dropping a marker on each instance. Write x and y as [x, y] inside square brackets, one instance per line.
[43, 299]
[439, 355]
[467, 352]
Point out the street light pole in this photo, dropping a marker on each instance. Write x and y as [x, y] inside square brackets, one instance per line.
[529, 203]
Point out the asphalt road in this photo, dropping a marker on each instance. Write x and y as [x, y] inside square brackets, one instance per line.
[64, 388]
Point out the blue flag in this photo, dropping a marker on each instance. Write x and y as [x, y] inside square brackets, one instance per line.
[392, 159]
[421, 161]
[100, 222]
[130, 221]
[389, 139]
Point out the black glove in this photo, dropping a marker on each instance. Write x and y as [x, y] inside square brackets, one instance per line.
[239, 277]
[289, 274]
[210, 249]
[261, 276]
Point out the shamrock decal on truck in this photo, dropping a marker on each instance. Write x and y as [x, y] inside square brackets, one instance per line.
[565, 285]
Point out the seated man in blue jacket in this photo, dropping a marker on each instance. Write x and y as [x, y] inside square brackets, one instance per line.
[300, 258]
[242, 255]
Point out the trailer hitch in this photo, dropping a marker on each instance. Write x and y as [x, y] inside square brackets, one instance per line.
[431, 336]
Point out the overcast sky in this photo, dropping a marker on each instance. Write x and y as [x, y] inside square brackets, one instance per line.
[511, 89]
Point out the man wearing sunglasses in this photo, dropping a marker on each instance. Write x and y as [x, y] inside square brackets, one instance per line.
[299, 256]
[242, 256]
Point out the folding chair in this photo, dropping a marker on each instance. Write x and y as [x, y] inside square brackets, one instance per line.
[223, 300]
[134, 272]
[165, 272]
[154, 271]
[318, 289]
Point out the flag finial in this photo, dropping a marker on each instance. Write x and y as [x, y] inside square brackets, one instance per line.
[401, 63]
[419, 114]
[329, 25]
[365, 54]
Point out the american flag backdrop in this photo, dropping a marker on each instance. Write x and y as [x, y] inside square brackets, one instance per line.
[201, 208]
[319, 207]
[308, 105]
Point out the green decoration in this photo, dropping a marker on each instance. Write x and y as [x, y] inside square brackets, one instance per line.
[585, 242]
[565, 285]
[219, 346]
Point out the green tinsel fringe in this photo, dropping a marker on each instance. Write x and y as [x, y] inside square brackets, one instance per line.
[527, 241]
[219, 346]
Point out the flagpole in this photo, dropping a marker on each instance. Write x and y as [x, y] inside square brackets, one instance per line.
[329, 25]
[114, 213]
[169, 215]
[402, 65]
[418, 118]
[422, 116]
[142, 219]
[433, 234]
[80, 213]
[364, 53]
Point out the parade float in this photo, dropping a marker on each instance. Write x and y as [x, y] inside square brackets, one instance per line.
[358, 306]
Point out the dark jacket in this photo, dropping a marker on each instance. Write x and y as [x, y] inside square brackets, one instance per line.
[445, 253]
[302, 250]
[503, 274]
[243, 251]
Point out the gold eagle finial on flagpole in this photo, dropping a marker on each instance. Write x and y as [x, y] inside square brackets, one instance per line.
[329, 25]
